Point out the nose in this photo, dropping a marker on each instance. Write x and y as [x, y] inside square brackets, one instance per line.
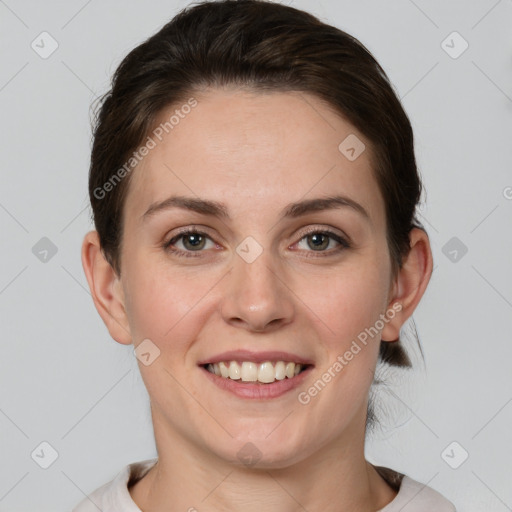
[256, 296]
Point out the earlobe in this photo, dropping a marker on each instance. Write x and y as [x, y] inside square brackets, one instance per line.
[411, 282]
[106, 289]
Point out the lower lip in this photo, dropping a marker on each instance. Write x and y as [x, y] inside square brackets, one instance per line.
[255, 390]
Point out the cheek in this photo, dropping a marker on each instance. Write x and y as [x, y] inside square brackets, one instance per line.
[349, 312]
[166, 306]
[348, 301]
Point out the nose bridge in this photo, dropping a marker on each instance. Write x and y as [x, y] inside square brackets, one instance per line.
[257, 277]
[257, 295]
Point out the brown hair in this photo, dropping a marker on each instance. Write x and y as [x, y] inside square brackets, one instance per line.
[259, 45]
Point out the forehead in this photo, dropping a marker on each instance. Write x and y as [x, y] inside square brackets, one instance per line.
[254, 150]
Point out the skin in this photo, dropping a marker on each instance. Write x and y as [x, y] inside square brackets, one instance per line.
[256, 153]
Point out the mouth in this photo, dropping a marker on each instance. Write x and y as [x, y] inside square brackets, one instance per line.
[256, 375]
[266, 372]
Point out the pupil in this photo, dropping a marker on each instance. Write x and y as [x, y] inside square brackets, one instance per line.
[315, 237]
[194, 240]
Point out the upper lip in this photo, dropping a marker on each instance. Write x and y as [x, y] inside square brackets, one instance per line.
[255, 357]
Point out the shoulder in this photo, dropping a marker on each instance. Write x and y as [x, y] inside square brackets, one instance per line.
[114, 495]
[413, 496]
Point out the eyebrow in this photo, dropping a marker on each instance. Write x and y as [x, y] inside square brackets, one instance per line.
[216, 209]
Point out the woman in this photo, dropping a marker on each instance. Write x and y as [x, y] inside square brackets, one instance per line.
[253, 184]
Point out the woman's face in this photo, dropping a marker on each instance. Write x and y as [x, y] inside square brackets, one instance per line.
[266, 275]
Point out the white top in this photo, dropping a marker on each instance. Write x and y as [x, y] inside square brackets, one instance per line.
[114, 496]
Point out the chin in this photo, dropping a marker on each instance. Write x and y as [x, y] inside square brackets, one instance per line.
[274, 451]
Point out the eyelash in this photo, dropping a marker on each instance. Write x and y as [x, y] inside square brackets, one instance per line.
[343, 243]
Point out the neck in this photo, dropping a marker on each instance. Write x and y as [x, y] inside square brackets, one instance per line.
[333, 479]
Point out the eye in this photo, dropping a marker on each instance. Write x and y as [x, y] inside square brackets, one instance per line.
[320, 240]
[192, 240]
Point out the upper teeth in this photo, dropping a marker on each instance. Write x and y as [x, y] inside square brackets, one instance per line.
[248, 371]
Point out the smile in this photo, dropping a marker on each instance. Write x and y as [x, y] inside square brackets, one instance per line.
[247, 371]
[258, 375]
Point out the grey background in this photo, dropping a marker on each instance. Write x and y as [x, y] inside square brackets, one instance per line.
[65, 381]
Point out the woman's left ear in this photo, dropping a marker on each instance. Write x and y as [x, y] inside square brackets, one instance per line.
[410, 283]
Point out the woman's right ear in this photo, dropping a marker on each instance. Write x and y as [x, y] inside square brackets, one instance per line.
[106, 289]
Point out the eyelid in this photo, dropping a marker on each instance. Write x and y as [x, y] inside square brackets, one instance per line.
[193, 228]
[327, 230]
